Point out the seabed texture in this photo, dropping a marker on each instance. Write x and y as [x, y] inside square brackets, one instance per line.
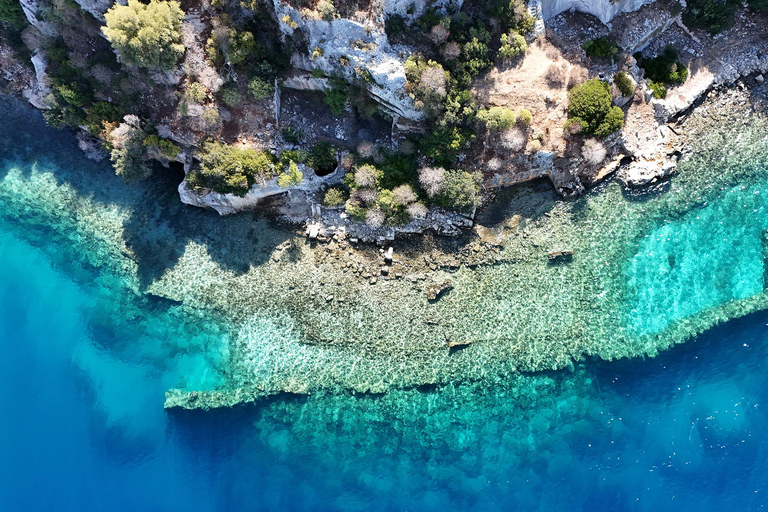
[649, 270]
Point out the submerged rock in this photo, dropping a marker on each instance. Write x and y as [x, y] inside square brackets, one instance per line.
[435, 290]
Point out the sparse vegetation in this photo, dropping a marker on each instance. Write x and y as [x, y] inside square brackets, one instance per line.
[624, 83]
[497, 119]
[714, 16]
[601, 47]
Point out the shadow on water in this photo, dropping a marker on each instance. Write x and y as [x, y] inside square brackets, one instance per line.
[530, 200]
[159, 226]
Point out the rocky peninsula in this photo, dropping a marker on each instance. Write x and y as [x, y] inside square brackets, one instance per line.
[403, 124]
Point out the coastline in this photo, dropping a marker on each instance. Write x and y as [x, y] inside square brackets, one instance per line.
[378, 322]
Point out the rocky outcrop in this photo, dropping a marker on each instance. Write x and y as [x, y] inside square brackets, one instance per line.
[97, 8]
[643, 172]
[358, 51]
[39, 90]
[605, 10]
[226, 204]
[412, 9]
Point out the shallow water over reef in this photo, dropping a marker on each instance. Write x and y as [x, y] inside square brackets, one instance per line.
[112, 294]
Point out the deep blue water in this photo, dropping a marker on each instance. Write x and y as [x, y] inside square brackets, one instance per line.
[83, 431]
[83, 425]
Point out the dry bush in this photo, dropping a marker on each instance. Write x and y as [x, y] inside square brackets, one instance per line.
[366, 149]
[433, 81]
[431, 180]
[364, 196]
[577, 76]
[406, 147]
[513, 139]
[450, 51]
[593, 151]
[439, 34]
[375, 218]
[416, 210]
[557, 74]
[366, 176]
[347, 161]
[551, 52]
[403, 195]
[494, 164]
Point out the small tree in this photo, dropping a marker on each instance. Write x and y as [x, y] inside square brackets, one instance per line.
[624, 83]
[146, 35]
[292, 178]
[333, 197]
[512, 45]
[129, 155]
[590, 108]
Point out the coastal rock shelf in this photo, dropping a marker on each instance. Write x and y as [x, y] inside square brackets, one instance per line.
[647, 272]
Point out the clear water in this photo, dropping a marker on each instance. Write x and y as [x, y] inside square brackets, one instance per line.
[87, 357]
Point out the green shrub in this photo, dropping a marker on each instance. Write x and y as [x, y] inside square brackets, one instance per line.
[394, 25]
[512, 45]
[100, 113]
[460, 190]
[322, 158]
[146, 35]
[196, 92]
[227, 169]
[128, 153]
[299, 156]
[291, 178]
[758, 5]
[394, 212]
[326, 9]
[714, 16]
[334, 197]
[336, 96]
[167, 148]
[12, 14]
[476, 56]
[665, 68]
[624, 83]
[260, 88]
[230, 96]
[497, 119]
[444, 143]
[590, 106]
[292, 135]
[397, 169]
[70, 93]
[659, 90]
[600, 47]
[525, 117]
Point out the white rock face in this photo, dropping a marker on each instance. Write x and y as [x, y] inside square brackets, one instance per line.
[30, 8]
[605, 10]
[365, 47]
[644, 172]
[98, 7]
[36, 94]
[226, 204]
[412, 9]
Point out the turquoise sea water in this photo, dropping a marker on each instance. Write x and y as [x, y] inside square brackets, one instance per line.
[85, 365]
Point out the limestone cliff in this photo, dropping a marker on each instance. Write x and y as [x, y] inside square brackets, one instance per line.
[605, 10]
[355, 50]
